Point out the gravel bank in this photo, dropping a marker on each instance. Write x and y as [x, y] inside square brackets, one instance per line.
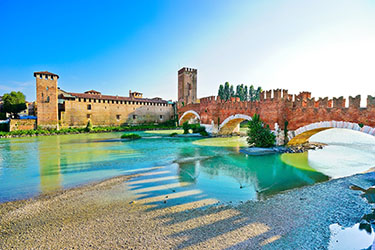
[104, 215]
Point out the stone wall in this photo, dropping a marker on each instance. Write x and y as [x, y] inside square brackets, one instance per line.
[22, 124]
[277, 106]
[77, 113]
[46, 96]
[187, 86]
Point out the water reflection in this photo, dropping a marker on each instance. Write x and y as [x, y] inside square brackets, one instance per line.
[49, 165]
[359, 236]
[43, 164]
[230, 176]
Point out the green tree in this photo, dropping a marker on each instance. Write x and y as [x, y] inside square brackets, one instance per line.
[241, 92]
[89, 126]
[238, 91]
[14, 103]
[245, 93]
[231, 92]
[260, 134]
[257, 93]
[221, 92]
[252, 93]
[186, 127]
[226, 94]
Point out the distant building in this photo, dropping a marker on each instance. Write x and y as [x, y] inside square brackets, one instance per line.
[58, 108]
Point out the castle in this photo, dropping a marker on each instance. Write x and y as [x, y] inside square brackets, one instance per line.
[57, 108]
[187, 86]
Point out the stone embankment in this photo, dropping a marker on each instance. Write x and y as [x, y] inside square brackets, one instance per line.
[283, 149]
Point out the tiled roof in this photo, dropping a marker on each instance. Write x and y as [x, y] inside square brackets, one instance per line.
[115, 98]
[45, 73]
[92, 91]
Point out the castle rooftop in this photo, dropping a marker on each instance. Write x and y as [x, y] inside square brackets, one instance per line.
[45, 73]
[114, 98]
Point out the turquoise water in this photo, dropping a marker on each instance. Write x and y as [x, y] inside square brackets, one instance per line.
[36, 165]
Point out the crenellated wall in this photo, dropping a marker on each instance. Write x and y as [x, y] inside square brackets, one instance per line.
[277, 106]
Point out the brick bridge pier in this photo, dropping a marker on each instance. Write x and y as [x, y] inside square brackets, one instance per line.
[305, 115]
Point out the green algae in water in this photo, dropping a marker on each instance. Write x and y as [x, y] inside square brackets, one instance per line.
[165, 132]
[230, 142]
[297, 160]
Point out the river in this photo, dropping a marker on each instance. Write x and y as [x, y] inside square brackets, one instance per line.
[214, 166]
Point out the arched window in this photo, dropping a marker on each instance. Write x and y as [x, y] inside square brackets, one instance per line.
[88, 106]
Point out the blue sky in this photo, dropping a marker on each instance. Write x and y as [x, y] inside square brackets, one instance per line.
[326, 47]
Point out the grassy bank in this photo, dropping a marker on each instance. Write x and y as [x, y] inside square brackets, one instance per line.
[39, 132]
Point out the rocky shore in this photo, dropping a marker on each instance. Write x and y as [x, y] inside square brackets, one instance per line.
[283, 149]
[105, 216]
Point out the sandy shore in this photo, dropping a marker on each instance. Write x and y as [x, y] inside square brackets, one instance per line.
[104, 216]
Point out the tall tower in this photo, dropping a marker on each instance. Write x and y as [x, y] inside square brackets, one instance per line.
[47, 100]
[187, 86]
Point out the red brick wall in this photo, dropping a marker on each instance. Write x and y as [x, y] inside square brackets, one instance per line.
[298, 111]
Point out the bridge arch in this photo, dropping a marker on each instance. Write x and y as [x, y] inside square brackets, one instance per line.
[303, 134]
[188, 115]
[231, 124]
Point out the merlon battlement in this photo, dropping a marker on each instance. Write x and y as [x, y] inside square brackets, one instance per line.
[302, 100]
[185, 69]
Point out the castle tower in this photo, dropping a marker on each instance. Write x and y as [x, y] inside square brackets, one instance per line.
[187, 86]
[47, 99]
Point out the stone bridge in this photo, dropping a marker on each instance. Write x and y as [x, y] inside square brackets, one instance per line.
[305, 115]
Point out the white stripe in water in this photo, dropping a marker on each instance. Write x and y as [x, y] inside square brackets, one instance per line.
[156, 173]
[141, 169]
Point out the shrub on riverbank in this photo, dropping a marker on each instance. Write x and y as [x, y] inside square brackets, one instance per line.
[196, 128]
[260, 134]
[131, 136]
[41, 131]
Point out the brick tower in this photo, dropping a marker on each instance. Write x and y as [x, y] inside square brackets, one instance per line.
[187, 86]
[47, 100]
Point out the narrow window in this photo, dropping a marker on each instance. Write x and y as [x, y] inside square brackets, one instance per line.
[47, 88]
[118, 117]
[88, 106]
[134, 117]
[88, 116]
[47, 99]
[161, 117]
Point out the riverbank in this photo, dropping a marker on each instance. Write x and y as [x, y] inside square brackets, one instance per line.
[67, 131]
[106, 215]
